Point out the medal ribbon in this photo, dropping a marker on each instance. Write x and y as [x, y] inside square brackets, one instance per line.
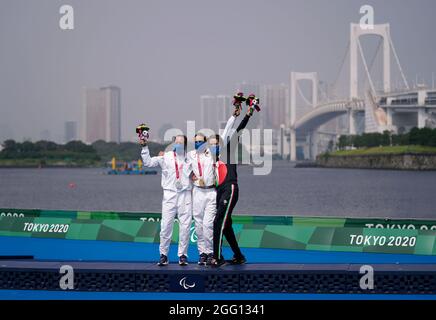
[176, 166]
[216, 171]
[199, 166]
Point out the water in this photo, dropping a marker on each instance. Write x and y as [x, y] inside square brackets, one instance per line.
[286, 191]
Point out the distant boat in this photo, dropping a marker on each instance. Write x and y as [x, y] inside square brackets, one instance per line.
[129, 168]
[132, 172]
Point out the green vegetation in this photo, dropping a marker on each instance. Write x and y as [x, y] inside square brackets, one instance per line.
[422, 137]
[71, 154]
[417, 141]
[42, 153]
[386, 150]
[125, 151]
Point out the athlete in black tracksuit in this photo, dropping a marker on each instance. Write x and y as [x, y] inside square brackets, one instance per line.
[227, 197]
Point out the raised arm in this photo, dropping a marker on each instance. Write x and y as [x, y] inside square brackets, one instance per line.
[243, 123]
[228, 129]
[149, 161]
[235, 137]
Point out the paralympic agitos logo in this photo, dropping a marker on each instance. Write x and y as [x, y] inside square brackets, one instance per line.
[194, 236]
[183, 283]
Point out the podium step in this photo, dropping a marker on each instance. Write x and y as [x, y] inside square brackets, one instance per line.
[249, 278]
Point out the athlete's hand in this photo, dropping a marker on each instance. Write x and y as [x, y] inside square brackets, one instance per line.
[143, 142]
[161, 153]
[250, 111]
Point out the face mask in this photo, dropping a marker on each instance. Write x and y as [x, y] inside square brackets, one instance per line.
[199, 145]
[178, 148]
[215, 150]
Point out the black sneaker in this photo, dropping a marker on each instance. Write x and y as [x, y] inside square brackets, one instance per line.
[183, 260]
[209, 259]
[217, 262]
[238, 260]
[163, 261]
[202, 259]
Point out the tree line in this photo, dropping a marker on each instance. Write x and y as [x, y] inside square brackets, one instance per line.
[74, 150]
[416, 136]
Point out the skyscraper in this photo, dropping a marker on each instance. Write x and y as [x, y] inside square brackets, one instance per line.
[102, 114]
[209, 112]
[70, 131]
[112, 102]
[275, 100]
[215, 110]
[224, 110]
[95, 116]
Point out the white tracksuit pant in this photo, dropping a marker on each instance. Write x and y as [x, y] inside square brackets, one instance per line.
[204, 211]
[176, 204]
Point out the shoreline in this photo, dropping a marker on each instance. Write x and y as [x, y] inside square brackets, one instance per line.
[402, 161]
[49, 167]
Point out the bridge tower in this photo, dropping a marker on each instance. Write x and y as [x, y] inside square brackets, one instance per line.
[294, 78]
[382, 30]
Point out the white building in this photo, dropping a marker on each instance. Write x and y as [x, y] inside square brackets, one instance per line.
[215, 111]
[102, 114]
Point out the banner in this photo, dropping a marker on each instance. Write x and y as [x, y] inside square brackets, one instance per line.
[377, 223]
[297, 233]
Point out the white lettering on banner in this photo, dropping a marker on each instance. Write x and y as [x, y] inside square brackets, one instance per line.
[45, 227]
[399, 226]
[392, 241]
[144, 219]
[12, 214]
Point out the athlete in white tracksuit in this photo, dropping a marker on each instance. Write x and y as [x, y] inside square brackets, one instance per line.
[203, 196]
[176, 184]
[204, 193]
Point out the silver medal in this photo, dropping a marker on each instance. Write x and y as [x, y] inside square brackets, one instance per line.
[178, 185]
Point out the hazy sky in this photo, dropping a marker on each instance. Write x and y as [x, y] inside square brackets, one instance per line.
[165, 54]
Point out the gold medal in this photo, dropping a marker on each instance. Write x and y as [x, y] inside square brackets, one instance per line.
[201, 182]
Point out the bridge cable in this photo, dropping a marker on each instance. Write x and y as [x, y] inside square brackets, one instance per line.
[323, 93]
[398, 62]
[366, 67]
[347, 51]
[302, 95]
[375, 55]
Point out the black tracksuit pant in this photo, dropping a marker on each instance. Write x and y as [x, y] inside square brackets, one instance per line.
[227, 197]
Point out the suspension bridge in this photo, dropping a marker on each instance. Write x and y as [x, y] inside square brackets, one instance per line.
[379, 109]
